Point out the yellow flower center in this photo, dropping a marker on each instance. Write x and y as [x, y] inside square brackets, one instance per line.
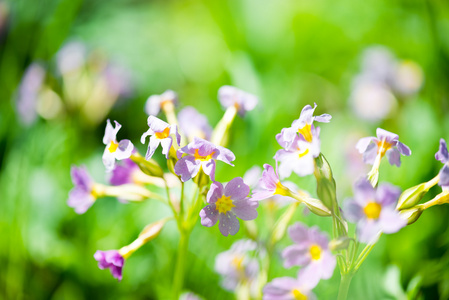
[306, 132]
[298, 295]
[303, 153]
[315, 252]
[382, 147]
[237, 262]
[113, 146]
[280, 189]
[224, 204]
[164, 134]
[203, 158]
[372, 210]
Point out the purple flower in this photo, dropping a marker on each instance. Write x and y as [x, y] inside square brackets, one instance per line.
[374, 210]
[201, 154]
[156, 102]
[302, 126]
[288, 288]
[252, 176]
[71, 57]
[123, 174]
[232, 96]
[192, 124]
[226, 204]
[115, 150]
[82, 196]
[161, 133]
[311, 251]
[269, 185]
[443, 156]
[385, 143]
[28, 92]
[110, 259]
[300, 156]
[237, 265]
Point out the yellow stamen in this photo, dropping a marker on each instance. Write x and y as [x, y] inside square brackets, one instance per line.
[113, 146]
[224, 204]
[303, 153]
[203, 158]
[164, 134]
[306, 132]
[280, 189]
[315, 252]
[237, 262]
[298, 295]
[382, 147]
[372, 210]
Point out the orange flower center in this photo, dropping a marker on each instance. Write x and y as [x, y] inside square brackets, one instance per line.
[164, 134]
[113, 146]
[382, 147]
[203, 158]
[306, 132]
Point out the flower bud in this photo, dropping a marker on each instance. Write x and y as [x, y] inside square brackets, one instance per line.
[149, 167]
[340, 243]
[281, 225]
[317, 207]
[411, 214]
[325, 183]
[410, 197]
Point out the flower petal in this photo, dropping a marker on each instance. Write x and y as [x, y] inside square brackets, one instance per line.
[187, 167]
[442, 154]
[209, 215]
[124, 150]
[228, 224]
[245, 209]
[394, 157]
[152, 146]
[236, 189]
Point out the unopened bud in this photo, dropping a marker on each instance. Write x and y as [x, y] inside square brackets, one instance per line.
[149, 167]
[411, 214]
[325, 183]
[340, 243]
[317, 207]
[410, 197]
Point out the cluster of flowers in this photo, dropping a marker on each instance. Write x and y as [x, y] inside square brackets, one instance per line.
[192, 149]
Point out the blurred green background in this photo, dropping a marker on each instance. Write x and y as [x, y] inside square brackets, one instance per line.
[288, 52]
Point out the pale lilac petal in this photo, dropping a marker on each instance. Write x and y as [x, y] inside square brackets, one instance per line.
[369, 156]
[152, 146]
[108, 160]
[209, 215]
[110, 259]
[192, 123]
[187, 167]
[228, 224]
[442, 154]
[390, 220]
[215, 192]
[209, 168]
[80, 200]
[286, 162]
[166, 145]
[80, 178]
[280, 289]
[328, 264]
[306, 283]
[387, 194]
[174, 130]
[236, 189]
[124, 149]
[324, 118]
[245, 209]
[363, 143]
[364, 192]
[252, 176]
[444, 176]
[394, 157]
[144, 136]
[225, 155]
[261, 195]
[367, 230]
[404, 149]
[352, 211]
[318, 237]
[296, 255]
[110, 133]
[153, 105]
[388, 136]
[306, 115]
[314, 272]
[298, 232]
[156, 124]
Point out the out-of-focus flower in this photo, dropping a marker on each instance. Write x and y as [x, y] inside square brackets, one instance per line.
[28, 92]
[302, 126]
[269, 185]
[288, 288]
[193, 124]
[443, 156]
[83, 194]
[408, 78]
[118, 80]
[161, 133]
[71, 57]
[112, 260]
[201, 154]
[155, 103]
[123, 174]
[299, 157]
[385, 143]
[115, 150]
[189, 296]
[237, 265]
[232, 96]
[311, 251]
[252, 176]
[226, 204]
[374, 210]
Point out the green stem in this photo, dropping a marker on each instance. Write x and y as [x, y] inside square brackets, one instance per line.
[363, 256]
[344, 286]
[178, 279]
